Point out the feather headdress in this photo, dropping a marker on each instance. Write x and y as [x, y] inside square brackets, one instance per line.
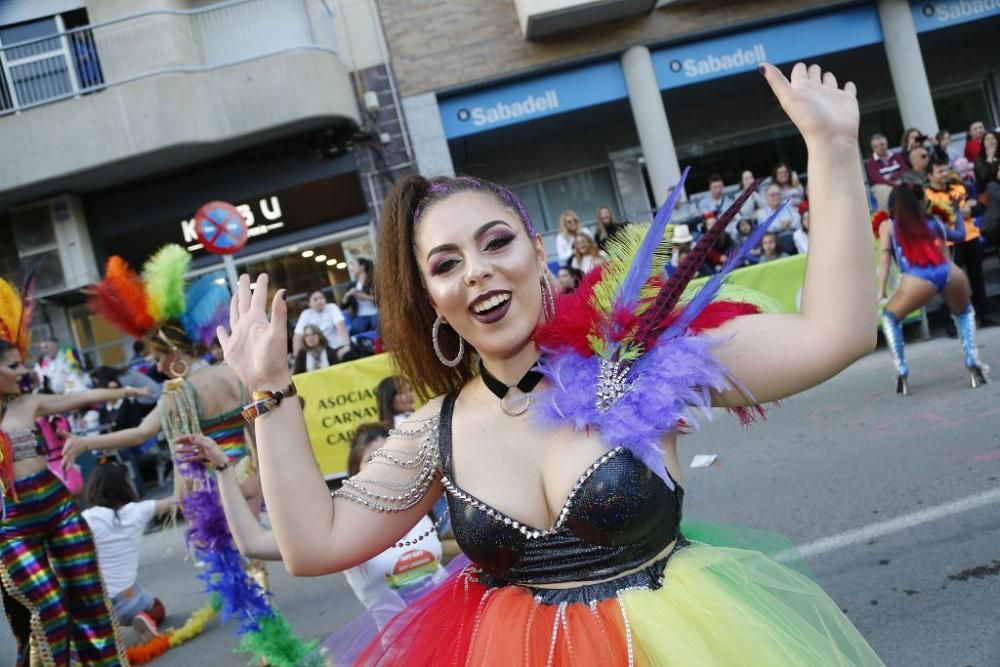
[623, 355]
[139, 306]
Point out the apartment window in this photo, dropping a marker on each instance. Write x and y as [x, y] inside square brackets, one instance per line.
[40, 60]
[582, 191]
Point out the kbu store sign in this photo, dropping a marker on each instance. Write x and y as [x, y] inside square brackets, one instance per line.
[262, 216]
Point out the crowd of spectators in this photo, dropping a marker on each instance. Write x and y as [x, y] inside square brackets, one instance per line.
[963, 188]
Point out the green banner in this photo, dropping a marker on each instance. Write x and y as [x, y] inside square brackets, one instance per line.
[780, 279]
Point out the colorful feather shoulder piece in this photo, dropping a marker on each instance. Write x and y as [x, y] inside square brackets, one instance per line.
[623, 354]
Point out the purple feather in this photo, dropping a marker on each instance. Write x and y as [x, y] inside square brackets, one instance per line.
[711, 288]
[628, 292]
[671, 382]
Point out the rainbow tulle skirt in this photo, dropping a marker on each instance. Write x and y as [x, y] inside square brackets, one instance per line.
[703, 605]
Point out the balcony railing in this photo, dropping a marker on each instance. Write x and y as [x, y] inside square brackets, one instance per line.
[67, 63]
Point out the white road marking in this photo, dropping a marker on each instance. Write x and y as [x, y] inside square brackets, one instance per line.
[882, 528]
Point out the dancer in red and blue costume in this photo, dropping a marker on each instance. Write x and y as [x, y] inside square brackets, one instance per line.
[915, 238]
[53, 591]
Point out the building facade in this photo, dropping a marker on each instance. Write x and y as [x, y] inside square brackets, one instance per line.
[120, 119]
[578, 104]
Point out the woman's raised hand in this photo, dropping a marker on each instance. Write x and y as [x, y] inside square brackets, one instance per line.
[813, 101]
[256, 348]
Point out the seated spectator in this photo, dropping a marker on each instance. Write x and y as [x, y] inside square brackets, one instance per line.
[786, 222]
[607, 226]
[987, 160]
[360, 299]
[912, 137]
[973, 140]
[315, 353]
[943, 152]
[569, 227]
[680, 244]
[751, 205]
[801, 235]
[770, 248]
[884, 170]
[677, 256]
[685, 212]
[327, 317]
[744, 228]
[395, 401]
[117, 520]
[586, 255]
[991, 215]
[717, 200]
[569, 279]
[920, 159]
[788, 181]
[717, 256]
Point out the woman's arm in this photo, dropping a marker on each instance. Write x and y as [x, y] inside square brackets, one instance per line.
[776, 356]
[315, 535]
[885, 258]
[78, 444]
[251, 538]
[164, 505]
[53, 404]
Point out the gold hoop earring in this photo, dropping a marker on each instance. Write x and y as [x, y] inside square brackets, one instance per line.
[176, 373]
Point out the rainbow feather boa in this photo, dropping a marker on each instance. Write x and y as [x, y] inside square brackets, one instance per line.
[263, 629]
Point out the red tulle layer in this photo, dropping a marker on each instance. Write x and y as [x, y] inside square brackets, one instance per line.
[456, 625]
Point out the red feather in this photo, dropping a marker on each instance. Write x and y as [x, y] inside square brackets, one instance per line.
[575, 319]
[121, 299]
[718, 313]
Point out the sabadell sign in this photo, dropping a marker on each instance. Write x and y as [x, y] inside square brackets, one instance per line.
[530, 105]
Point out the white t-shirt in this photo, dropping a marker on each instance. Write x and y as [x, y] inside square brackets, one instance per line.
[398, 575]
[326, 321]
[118, 541]
[366, 307]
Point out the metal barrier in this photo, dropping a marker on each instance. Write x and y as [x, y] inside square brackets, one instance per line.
[68, 63]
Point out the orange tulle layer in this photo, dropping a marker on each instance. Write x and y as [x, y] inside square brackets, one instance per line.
[716, 606]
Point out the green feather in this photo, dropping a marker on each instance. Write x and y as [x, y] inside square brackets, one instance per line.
[163, 275]
[621, 250]
[734, 292]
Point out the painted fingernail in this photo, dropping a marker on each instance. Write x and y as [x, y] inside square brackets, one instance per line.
[284, 295]
[761, 69]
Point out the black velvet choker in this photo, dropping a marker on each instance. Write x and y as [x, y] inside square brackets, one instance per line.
[528, 382]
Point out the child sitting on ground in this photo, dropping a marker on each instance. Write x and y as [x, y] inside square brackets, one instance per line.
[118, 522]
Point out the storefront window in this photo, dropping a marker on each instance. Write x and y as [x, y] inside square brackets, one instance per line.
[100, 343]
[304, 267]
[582, 191]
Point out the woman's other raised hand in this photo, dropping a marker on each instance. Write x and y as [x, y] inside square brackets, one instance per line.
[256, 346]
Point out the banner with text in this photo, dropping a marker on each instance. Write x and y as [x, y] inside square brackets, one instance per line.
[337, 399]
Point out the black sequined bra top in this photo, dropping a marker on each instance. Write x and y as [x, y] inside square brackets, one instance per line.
[618, 516]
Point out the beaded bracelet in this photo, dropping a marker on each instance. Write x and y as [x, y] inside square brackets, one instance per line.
[265, 401]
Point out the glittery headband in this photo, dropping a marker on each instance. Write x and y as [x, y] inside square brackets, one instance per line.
[438, 190]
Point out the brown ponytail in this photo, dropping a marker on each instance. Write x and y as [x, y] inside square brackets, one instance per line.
[405, 312]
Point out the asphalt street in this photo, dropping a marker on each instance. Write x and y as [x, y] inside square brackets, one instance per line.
[894, 501]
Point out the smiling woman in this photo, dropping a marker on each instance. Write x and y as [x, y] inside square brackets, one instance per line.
[559, 460]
